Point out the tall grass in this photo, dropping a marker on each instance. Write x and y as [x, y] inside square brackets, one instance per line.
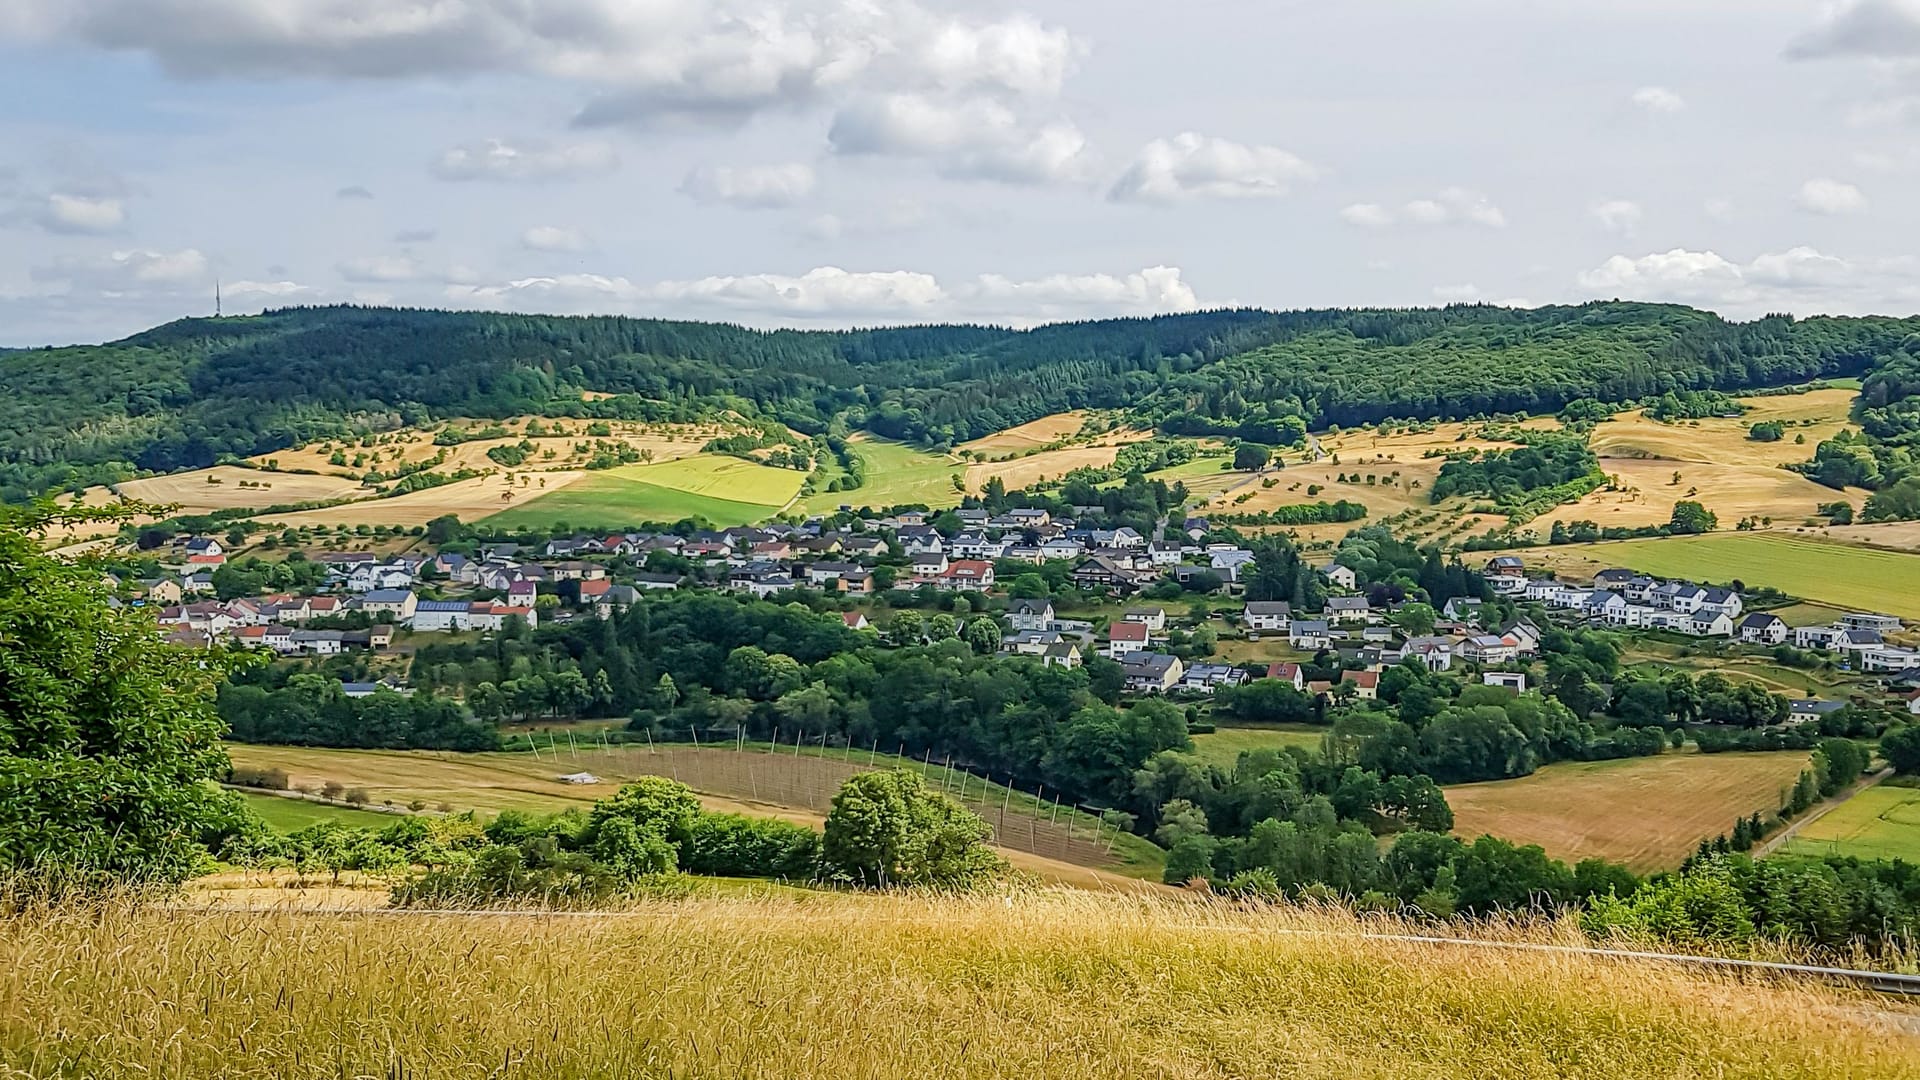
[838, 987]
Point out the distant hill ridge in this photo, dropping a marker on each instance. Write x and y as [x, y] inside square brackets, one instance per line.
[183, 394]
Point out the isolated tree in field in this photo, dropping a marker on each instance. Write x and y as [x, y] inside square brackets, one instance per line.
[886, 829]
[107, 735]
[1690, 517]
[1248, 457]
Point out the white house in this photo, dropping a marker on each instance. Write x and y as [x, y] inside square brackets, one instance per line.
[1127, 637]
[1309, 634]
[1266, 615]
[1512, 680]
[1761, 628]
[1348, 610]
[1710, 622]
[1289, 674]
[1339, 575]
[1818, 637]
[1155, 619]
[1023, 614]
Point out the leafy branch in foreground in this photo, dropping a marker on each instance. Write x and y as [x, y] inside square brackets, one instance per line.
[108, 736]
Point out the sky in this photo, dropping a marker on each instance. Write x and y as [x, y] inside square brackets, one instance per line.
[862, 162]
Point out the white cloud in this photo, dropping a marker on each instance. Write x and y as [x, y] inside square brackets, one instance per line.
[1454, 206]
[1367, 215]
[832, 295]
[1618, 215]
[498, 159]
[1192, 165]
[131, 272]
[1801, 280]
[82, 214]
[1885, 29]
[970, 139]
[753, 187]
[1826, 196]
[1658, 99]
[554, 238]
[271, 290]
[372, 269]
[699, 62]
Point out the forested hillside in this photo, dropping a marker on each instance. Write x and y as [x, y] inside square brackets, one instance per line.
[183, 394]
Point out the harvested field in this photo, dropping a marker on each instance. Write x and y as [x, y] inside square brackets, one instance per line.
[1732, 492]
[1046, 465]
[1648, 813]
[1027, 436]
[1893, 534]
[471, 500]
[664, 441]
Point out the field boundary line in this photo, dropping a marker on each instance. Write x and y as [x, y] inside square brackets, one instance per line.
[1768, 846]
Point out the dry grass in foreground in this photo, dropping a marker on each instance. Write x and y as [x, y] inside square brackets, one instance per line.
[844, 987]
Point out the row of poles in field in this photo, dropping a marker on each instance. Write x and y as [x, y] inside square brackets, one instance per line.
[949, 779]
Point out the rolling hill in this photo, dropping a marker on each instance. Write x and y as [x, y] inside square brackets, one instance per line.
[186, 394]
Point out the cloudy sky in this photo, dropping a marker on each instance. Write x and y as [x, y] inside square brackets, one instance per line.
[838, 162]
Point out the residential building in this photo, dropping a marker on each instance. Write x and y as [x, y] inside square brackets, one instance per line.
[855, 620]
[1860, 620]
[1061, 654]
[1310, 635]
[431, 616]
[1365, 683]
[1151, 672]
[1290, 674]
[1026, 614]
[1488, 649]
[1804, 710]
[1818, 637]
[1203, 678]
[1348, 610]
[1154, 618]
[1512, 680]
[1761, 628]
[1339, 575]
[1266, 616]
[1102, 574]
[396, 603]
[1127, 637]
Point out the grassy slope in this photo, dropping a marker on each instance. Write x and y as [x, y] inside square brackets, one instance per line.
[1648, 813]
[1853, 577]
[724, 490]
[897, 475]
[869, 987]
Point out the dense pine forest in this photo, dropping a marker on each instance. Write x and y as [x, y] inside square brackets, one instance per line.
[183, 394]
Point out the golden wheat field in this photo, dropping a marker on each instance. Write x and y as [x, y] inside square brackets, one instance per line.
[411, 446]
[769, 984]
[1046, 465]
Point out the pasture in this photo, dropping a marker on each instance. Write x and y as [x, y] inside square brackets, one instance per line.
[1036, 468]
[722, 489]
[1648, 813]
[1881, 822]
[896, 475]
[290, 815]
[1224, 746]
[1838, 574]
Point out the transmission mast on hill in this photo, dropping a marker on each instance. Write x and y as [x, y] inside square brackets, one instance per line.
[216, 298]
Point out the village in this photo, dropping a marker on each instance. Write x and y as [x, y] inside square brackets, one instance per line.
[375, 603]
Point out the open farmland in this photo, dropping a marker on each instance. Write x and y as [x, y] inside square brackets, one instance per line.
[896, 475]
[722, 489]
[1648, 813]
[664, 442]
[289, 814]
[1881, 822]
[1031, 435]
[1840, 574]
[795, 787]
[1021, 472]
[469, 499]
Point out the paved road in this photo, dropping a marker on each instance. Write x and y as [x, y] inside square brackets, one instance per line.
[1766, 847]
